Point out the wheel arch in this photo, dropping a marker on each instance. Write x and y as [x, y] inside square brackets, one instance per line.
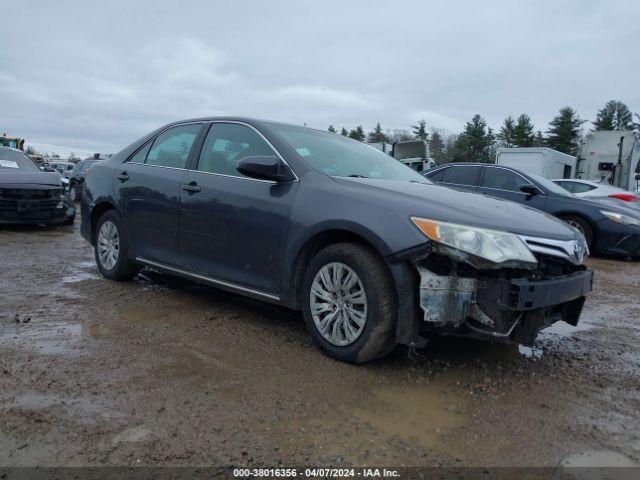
[316, 242]
[97, 211]
[572, 213]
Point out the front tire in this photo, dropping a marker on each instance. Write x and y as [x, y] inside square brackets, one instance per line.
[111, 249]
[582, 226]
[348, 303]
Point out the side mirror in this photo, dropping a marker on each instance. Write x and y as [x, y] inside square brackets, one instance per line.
[49, 169]
[265, 167]
[530, 189]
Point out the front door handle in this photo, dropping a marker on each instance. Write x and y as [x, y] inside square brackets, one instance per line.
[191, 188]
[123, 177]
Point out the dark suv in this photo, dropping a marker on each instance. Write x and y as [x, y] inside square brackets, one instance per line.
[370, 251]
[608, 228]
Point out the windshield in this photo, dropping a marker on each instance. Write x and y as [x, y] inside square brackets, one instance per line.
[15, 160]
[339, 156]
[549, 185]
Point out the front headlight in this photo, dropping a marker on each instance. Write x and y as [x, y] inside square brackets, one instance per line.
[620, 218]
[493, 245]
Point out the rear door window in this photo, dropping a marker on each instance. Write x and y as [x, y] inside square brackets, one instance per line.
[462, 175]
[171, 148]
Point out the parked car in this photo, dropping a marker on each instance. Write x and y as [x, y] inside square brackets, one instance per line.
[29, 195]
[608, 228]
[62, 167]
[591, 189]
[370, 251]
[77, 176]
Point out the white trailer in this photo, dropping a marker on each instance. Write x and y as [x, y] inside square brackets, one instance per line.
[539, 160]
[610, 157]
[413, 153]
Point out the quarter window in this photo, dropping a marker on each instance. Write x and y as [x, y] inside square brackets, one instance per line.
[501, 179]
[462, 175]
[171, 148]
[228, 143]
[141, 154]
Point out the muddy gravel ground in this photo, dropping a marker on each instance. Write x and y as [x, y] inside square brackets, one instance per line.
[159, 371]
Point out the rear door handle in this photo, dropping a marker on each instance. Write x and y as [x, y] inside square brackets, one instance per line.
[191, 187]
[123, 177]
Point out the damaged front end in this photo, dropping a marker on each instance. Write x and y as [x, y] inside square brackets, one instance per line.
[461, 294]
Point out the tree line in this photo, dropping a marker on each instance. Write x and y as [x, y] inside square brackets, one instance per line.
[477, 142]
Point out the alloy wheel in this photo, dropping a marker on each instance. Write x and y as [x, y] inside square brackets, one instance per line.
[338, 304]
[575, 225]
[108, 245]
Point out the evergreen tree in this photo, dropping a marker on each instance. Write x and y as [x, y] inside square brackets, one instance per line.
[615, 115]
[564, 131]
[436, 147]
[523, 135]
[357, 134]
[377, 135]
[451, 151]
[344, 132]
[507, 132]
[331, 129]
[420, 130]
[475, 142]
[539, 140]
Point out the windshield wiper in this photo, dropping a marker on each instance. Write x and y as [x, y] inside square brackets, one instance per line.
[356, 175]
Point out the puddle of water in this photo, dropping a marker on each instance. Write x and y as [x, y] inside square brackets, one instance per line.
[79, 277]
[530, 352]
[81, 271]
[414, 413]
[83, 408]
[563, 329]
[48, 339]
[598, 458]
[131, 435]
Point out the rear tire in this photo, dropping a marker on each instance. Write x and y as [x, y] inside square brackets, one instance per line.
[582, 226]
[364, 289]
[73, 193]
[111, 249]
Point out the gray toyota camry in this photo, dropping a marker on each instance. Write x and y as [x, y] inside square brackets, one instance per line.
[372, 253]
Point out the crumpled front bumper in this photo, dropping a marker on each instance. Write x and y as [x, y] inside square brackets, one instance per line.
[499, 306]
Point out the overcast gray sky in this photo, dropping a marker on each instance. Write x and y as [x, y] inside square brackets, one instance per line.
[78, 76]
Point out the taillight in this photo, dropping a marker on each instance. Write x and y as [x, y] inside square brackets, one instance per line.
[626, 197]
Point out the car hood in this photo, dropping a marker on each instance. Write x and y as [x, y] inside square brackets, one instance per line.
[20, 177]
[445, 204]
